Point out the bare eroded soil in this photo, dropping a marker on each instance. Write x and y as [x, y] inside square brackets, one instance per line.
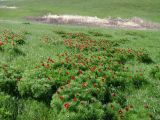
[133, 23]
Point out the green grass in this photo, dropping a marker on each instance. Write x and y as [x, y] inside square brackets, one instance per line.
[146, 9]
[36, 51]
[15, 105]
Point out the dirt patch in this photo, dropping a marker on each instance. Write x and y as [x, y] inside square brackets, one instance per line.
[133, 23]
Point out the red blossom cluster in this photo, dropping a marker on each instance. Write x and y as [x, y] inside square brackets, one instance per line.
[91, 67]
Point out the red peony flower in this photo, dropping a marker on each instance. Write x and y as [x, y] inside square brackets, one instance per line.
[6, 40]
[141, 74]
[94, 84]
[74, 99]
[72, 77]
[69, 81]
[73, 64]
[99, 70]
[99, 58]
[127, 108]
[84, 84]
[120, 111]
[80, 72]
[50, 60]
[67, 60]
[66, 105]
[114, 94]
[1, 43]
[67, 73]
[47, 66]
[43, 64]
[93, 69]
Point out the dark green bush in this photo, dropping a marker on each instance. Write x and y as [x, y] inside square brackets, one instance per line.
[118, 81]
[36, 88]
[8, 107]
[9, 76]
[85, 111]
[32, 110]
[139, 80]
[144, 57]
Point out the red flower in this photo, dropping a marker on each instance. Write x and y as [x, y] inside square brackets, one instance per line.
[47, 66]
[50, 60]
[72, 77]
[99, 70]
[43, 64]
[80, 72]
[99, 58]
[67, 60]
[84, 84]
[37, 67]
[67, 73]
[120, 111]
[114, 94]
[69, 81]
[66, 105]
[73, 64]
[1, 43]
[6, 40]
[74, 99]
[127, 108]
[104, 76]
[94, 84]
[93, 68]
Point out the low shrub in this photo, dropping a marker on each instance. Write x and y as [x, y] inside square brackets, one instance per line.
[32, 110]
[143, 56]
[10, 42]
[8, 107]
[9, 76]
[139, 80]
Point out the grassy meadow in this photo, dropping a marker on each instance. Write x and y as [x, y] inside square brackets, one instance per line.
[62, 72]
[146, 9]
